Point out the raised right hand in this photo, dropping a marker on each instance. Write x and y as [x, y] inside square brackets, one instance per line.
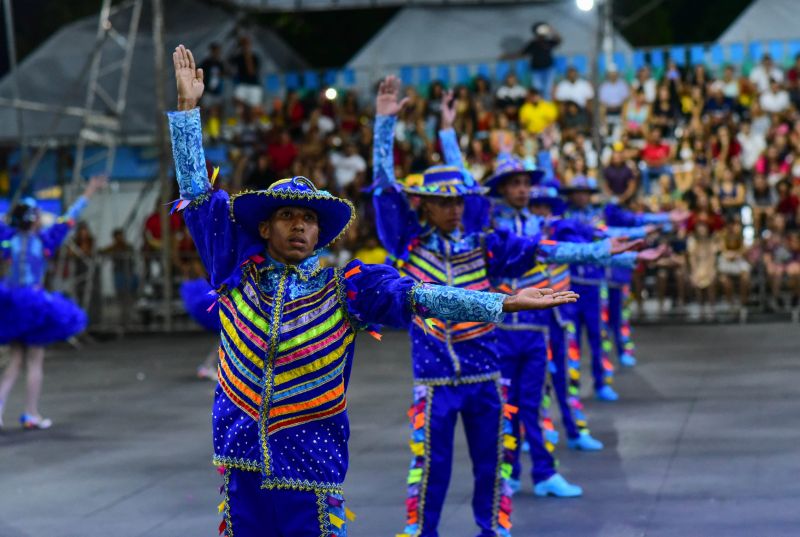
[188, 78]
[388, 102]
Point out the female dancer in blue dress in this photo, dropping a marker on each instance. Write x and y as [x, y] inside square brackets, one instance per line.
[30, 316]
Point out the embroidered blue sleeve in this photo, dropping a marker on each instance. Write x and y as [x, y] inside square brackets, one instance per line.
[623, 260]
[574, 252]
[451, 151]
[460, 305]
[187, 150]
[395, 221]
[630, 232]
[76, 209]
[382, 152]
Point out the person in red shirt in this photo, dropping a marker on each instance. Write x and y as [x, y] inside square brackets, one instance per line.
[282, 154]
[704, 212]
[656, 159]
[788, 203]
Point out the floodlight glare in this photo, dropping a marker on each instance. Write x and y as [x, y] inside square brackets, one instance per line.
[585, 5]
[331, 94]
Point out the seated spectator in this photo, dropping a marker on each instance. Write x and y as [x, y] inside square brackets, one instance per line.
[282, 154]
[619, 177]
[781, 261]
[537, 114]
[775, 99]
[247, 73]
[730, 84]
[788, 204]
[613, 93]
[752, 144]
[575, 121]
[724, 150]
[732, 265]
[370, 252]
[483, 93]
[702, 249]
[656, 159]
[214, 73]
[718, 107]
[664, 113]
[349, 170]
[574, 89]
[636, 115]
[705, 212]
[645, 82]
[762, 201]
[511, 94]
[731, 194]
[762, 74]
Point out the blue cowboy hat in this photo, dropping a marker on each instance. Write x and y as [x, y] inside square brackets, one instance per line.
[334, 215]
[548, 193]
[581, 183]
[506, 167]
[442, 181]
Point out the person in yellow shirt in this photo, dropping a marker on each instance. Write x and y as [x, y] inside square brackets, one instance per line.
[537, 114]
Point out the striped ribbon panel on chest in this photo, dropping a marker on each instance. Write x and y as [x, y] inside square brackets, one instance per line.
[466, 270]
[244, 347]
[308, 369]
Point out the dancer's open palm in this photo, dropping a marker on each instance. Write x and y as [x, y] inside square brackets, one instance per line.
[538, 299]
[388, 102]
[188, 78]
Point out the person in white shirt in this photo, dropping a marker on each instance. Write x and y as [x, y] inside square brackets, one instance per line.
[614, 91]
[764, 72]
[647, 83]
[753, 144]
[349, 167]
[730, 85]
[574, 89]
[775, 99]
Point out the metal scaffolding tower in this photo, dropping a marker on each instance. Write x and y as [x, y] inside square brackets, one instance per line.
[107, 86]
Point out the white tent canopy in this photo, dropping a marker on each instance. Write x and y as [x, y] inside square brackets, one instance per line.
[317, 5]
[765, 20]
[52, 73]
[468, 34]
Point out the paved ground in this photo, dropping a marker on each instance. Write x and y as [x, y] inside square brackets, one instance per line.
[704, 444]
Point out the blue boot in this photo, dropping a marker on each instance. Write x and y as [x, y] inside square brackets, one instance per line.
[557, 486]
[607, 393]
[626, 360]
[585, 442]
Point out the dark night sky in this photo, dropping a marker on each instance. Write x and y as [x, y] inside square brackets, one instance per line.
[674, 21]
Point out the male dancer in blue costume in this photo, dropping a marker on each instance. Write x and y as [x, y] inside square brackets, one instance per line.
[523, 339]
[593, 314]
[280, 426]
[30, 316]
[455, 364]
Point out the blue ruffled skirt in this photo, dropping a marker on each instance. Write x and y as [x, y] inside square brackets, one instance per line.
[198, 296]
[33, 316]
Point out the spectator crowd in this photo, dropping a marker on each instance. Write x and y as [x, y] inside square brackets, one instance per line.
[721, 143]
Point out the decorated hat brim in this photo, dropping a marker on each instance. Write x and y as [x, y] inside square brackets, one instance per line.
[494, 181]
[446, 192]
[334, 215]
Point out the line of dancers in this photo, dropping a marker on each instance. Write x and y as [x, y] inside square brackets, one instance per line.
[482, 276]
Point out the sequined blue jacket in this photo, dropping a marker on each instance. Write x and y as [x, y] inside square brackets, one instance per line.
[287, 335]
[611, 221]
[28, 252]
[570, 237]
[445, 352]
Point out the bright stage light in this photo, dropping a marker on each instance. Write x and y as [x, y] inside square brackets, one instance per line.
[585, 5]
[331, 94]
